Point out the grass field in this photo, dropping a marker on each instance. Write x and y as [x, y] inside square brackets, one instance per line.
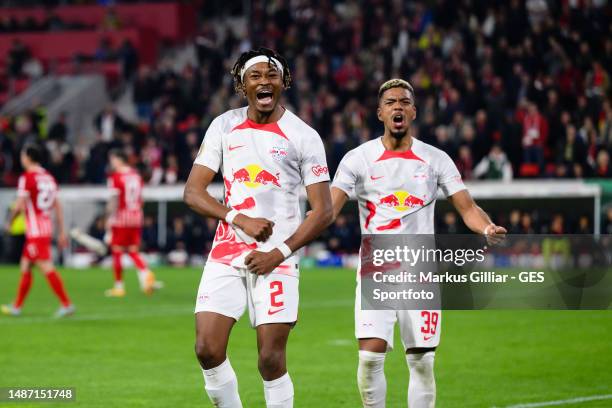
[138, 351]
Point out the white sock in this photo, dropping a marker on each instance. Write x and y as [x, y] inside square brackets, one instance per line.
[371, 379]
[143, 274]
[221, 386]
[119, 285]
[422, 385]
[279, 392]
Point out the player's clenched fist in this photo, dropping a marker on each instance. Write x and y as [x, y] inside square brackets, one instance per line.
[258, 228]
[262, 263]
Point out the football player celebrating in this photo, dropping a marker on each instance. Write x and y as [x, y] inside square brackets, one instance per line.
[265, 153]
[395, 179]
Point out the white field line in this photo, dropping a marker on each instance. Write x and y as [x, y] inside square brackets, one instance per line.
[562, 402]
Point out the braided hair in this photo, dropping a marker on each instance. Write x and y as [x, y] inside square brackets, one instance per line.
[245, 56]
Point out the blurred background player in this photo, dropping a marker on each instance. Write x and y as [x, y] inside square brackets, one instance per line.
[390, 204]
[37, 197]
[265, 153]
[125, 219]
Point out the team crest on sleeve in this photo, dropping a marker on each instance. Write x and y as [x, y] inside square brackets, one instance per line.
[279, 153]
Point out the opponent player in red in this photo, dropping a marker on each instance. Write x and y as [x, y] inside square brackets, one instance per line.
[36, 196]
[125, 222]
[395, 179]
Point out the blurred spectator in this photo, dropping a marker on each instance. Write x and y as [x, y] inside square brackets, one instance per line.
[128, 56]
[584, 225]
[535, 131]
[527, 224]
[149, 234]
[449, 224]
[17, 56]
[557, 225]
[109, 123]
[465, 163]
[59, 131]
[602, 167]
[514, 222]
[144, 93]
[61, 163]
[571, 150]
[495, 166]
[178, 237]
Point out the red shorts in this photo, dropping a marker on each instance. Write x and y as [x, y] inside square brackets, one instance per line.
[37, 249]
[125, 236]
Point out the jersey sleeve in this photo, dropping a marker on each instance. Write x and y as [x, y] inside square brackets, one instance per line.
[211, 150]
[346, 175]
[313, 164]
[22, 190]
[449, 178]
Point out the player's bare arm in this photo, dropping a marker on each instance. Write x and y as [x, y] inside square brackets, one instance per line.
[15, 211]
[339, 198]
[62, 240]
[474, 217]
[111, 207]
[199, 200]
[318, 219]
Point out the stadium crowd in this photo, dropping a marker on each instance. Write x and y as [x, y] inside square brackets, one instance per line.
[508, 89]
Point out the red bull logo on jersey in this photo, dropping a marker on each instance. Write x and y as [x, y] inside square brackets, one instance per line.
[401, 201]
[254, 176]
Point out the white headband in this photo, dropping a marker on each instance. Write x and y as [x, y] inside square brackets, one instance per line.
[261, 58]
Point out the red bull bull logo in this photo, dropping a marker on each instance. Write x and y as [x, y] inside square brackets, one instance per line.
[253, 176]
[401, 201]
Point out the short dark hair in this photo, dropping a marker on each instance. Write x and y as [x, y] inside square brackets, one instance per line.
[267, 52]
[119, 153]
[395, 83]
[34, 153]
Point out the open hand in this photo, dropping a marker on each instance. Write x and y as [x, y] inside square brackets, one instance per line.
[495, 234]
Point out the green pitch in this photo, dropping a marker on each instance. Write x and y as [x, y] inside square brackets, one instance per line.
[138, 351]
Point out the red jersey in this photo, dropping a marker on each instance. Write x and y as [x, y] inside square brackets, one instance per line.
[39, 189]
[127, 186]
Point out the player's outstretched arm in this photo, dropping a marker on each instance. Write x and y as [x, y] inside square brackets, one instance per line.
[196, 196]
[474, 217]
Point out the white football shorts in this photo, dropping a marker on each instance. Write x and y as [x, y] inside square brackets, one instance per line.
[418, 328]
[228, 290]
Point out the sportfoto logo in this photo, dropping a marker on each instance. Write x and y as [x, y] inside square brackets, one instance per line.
[318, 170]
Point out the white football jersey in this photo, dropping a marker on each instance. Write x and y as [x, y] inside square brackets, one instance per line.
[396, 191]
[263, 167]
